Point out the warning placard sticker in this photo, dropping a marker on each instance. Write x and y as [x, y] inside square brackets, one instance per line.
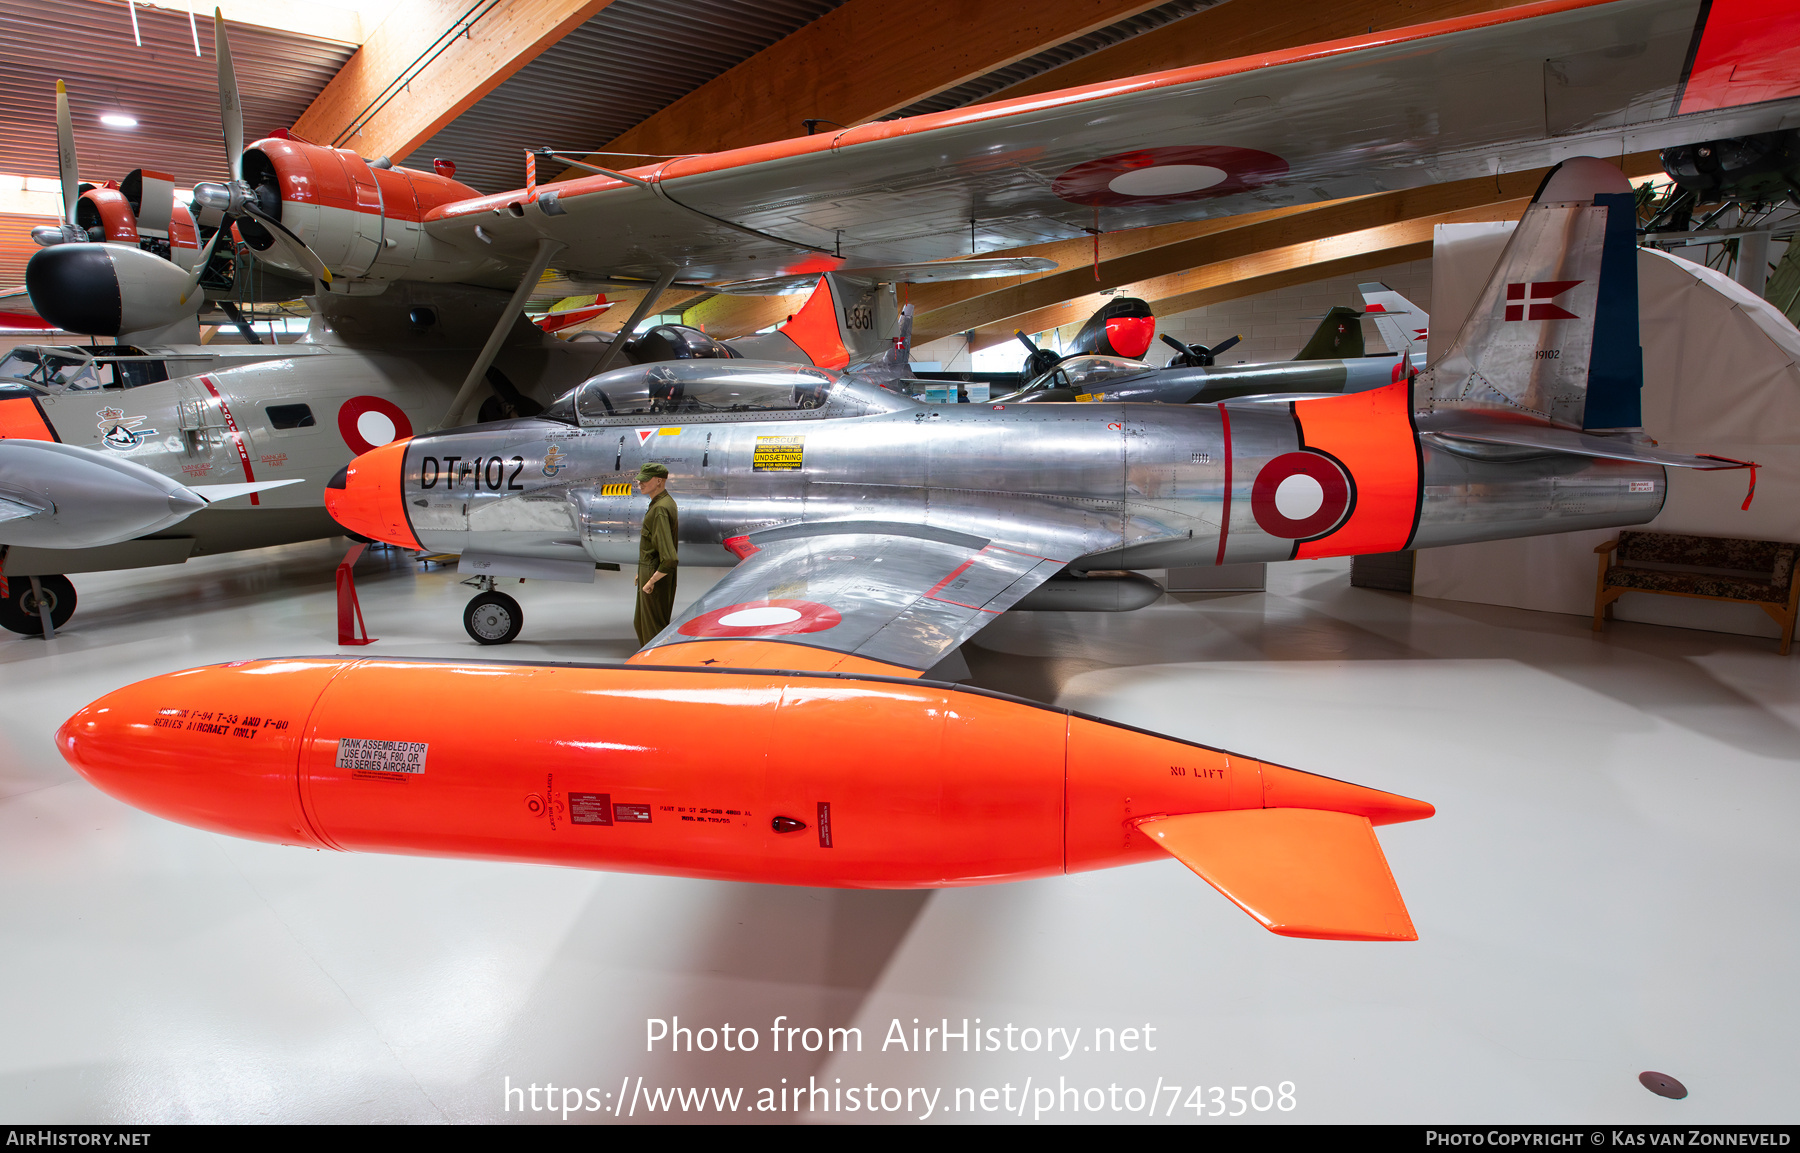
[590, 808]
[778, 454]
[367, 756]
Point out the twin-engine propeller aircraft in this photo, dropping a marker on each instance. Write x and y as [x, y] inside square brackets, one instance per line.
[1331, 362]
[864, 526]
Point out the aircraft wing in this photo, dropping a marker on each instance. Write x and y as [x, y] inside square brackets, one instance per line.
[1514, 89]
[17, 311]
[855, 597]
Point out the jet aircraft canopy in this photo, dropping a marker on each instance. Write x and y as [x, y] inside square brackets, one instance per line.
[1081, 373]
[692, 388]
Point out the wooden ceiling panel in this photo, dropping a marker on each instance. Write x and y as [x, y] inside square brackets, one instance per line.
[860, 62]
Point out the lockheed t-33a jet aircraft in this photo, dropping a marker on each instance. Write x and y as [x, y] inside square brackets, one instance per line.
[909, 525]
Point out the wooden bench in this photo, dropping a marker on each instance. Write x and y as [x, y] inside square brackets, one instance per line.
[1758, 572]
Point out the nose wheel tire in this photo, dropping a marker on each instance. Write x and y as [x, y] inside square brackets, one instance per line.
[493, 619]
[20, 610]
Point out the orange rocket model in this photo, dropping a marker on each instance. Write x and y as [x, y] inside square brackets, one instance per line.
[803, 778]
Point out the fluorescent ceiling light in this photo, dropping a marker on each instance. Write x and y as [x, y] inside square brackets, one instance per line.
[118, 120]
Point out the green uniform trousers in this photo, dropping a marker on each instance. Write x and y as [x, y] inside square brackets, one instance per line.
[654, 608]
[656, 553]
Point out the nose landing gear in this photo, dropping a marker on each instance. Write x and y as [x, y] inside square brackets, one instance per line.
[492, 618]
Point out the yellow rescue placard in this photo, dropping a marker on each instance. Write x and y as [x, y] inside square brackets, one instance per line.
[778, 454]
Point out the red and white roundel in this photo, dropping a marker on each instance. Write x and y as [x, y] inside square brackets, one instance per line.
[368, 422]
[1299, 495]
[1151, 176]
[762, 619]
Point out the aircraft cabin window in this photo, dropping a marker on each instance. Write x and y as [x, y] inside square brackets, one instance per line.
[53, 371]
[693, 388]
[290, 416]
[132, 373]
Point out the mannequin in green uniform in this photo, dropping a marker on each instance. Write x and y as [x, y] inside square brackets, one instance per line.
[656, 554]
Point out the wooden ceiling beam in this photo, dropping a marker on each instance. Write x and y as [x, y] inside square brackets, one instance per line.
[423, 67]
[1262, 271]
[1233, 30]
[860, 62]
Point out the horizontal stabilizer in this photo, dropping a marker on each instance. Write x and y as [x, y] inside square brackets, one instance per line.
[1518, 434]
[1301, 872]
[214, 493]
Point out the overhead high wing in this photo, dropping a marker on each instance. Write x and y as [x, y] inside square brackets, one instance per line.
[900, 594]
[1501, 91]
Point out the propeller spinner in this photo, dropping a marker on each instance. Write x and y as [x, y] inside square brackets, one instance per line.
[256, 209]
[1040, 360]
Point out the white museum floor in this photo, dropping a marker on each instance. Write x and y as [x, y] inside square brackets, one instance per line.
[1609, 887]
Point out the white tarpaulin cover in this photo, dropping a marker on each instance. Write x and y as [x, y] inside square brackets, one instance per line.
[1721, 376]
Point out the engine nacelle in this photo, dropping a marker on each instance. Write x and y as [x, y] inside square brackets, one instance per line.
[107, 289]
[363, 222]
[1761, 167]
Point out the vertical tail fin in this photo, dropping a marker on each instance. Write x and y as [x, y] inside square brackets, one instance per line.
[1338, 337]
[1554, 333]
[1403, 325]
[848, 319]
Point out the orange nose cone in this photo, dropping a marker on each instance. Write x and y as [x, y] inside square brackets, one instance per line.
[1293, 789]
[217, 748]
[368, 496]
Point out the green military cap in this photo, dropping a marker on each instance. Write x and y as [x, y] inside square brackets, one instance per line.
[652, 469]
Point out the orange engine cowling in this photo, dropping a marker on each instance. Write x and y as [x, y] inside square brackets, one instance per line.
[364, 222]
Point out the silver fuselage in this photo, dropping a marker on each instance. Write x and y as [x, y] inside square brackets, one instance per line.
[1105, 485]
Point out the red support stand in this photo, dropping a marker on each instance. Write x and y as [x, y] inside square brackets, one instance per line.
[350, 618]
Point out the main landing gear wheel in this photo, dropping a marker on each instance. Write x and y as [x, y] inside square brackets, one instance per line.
[492, 618]
[20, 610]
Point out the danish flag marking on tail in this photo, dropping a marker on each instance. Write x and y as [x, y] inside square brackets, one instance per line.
[1541, 290]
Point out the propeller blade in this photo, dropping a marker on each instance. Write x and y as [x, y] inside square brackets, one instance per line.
[1173, 343]
[1026, 341]
[1225, 344]
[193, 280]
[231, 112]
[296, 247]
[65, 154]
